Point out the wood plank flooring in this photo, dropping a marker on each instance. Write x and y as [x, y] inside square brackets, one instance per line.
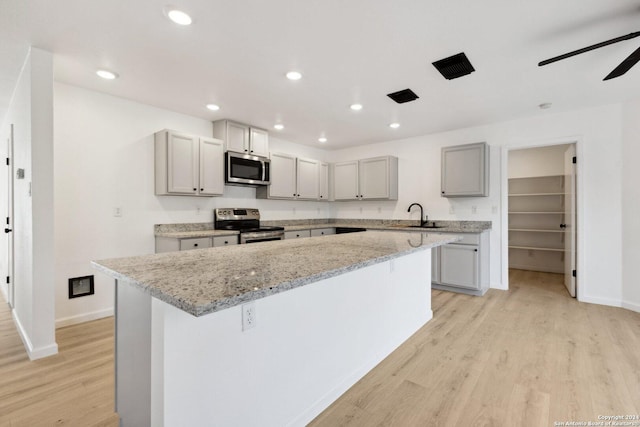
[526, 357]
[73, 388]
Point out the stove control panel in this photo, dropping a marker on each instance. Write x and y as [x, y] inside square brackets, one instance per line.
[237, 214]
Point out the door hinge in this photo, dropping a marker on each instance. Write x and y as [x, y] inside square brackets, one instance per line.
[8, 280]
[573, 273]
[7, 161]
[7, 220]
[575, 160]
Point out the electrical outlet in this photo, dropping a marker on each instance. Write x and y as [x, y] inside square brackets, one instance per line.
[248, 316]
[474, 209]
[117, 211]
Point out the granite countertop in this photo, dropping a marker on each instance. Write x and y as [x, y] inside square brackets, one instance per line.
[209, 280]
[196, 233]
[190, 230]
[205, 229]
[443, 226]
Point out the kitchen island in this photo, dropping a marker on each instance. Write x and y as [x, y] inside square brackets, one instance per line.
[263, 334]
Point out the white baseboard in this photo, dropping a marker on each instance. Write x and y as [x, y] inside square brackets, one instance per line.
[33, 352]
[84, 317]
[631, 306]
[601, 301]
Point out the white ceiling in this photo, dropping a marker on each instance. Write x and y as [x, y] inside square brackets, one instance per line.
[236, 54]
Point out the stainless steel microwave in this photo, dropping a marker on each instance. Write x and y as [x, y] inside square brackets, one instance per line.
[245, 169]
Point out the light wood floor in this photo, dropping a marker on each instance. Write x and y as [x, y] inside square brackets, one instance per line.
[526, 357]
[72, 388]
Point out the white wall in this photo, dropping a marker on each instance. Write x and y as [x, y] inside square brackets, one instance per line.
[631, 206]
[104, 159]
[31, 112]
[540, 161]
[598, 132]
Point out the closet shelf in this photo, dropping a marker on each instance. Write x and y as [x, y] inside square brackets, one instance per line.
[534, 248]
[536, 213]
[536, 230]
[535, 194]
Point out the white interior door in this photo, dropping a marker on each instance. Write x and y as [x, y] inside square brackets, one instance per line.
[8, 228]
[570, 219]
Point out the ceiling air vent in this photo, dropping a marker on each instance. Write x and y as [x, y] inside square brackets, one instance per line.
[454, 66]
[403, 96]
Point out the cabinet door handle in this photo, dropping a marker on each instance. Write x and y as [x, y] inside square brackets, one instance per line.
[252, 151]
[8, 230]
[195, 245]
[195, 189]
[321, 197]
[475, 250]
[226, 242]
[563, 225]
[202, 189]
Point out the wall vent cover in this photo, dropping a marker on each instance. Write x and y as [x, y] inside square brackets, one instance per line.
[454, 66]
[403, 96]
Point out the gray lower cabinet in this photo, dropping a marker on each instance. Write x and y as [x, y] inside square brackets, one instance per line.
[322, 232]
[297, 234]
[462, 266]
[198, 243]
[169, 244]
[225, 241]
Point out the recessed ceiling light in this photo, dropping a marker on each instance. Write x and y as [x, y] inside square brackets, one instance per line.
[545, 105]
[356, 107]
[278, 126]
[394, 125]
[179, 17]
[213, 107]
[294, 75]
[108, 75]
[322, 139]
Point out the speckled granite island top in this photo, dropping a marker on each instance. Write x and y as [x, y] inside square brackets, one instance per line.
[209, 280]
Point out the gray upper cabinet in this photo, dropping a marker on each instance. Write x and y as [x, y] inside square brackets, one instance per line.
[293, 178]
[242, 138]
[367, 179]
[188, 164]
[465, 170]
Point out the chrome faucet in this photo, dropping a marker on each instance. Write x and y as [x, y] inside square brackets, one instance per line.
[421, 213]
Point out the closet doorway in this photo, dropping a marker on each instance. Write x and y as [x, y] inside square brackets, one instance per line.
[542, 211]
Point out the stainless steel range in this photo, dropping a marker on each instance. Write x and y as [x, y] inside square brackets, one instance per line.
[247, 221]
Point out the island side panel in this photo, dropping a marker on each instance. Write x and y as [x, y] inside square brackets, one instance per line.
[309, 345]
[133, 355]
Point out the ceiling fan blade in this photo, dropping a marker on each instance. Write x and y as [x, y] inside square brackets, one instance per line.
[588, 48]
[625, 65]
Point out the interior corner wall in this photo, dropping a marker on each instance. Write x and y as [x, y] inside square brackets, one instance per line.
[540, 161]
[103, 148]
[598, 131]
[31, 113]
[631, 204]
